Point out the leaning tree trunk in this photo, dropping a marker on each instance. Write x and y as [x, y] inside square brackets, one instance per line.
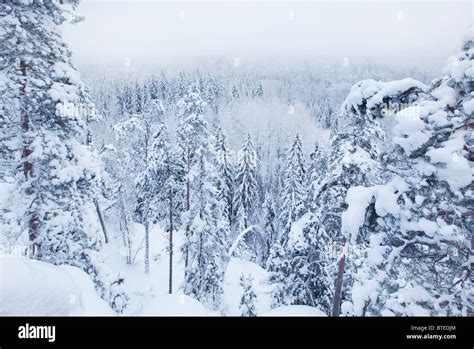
[96, 202]
[336, 305]
[101, 220]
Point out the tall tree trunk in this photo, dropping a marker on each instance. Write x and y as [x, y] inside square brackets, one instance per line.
[96, 202]
[471, 253]
[147, 247]
[147, 138]
[125, 230]
[102, 223]
[147, 204]
[188, 207]
[27, 165]
[336, 305]
[171, 240]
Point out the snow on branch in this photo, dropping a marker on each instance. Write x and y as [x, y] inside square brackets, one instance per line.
[359, 198]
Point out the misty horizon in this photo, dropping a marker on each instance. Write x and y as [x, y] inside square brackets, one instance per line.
[164, 34]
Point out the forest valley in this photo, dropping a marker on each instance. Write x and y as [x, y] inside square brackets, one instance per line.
[230, 191]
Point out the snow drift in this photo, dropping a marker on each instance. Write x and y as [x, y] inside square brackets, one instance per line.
[34, 288]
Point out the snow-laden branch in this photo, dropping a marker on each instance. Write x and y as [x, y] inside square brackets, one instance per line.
[239, 237]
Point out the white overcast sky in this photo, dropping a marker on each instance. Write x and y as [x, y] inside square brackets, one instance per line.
[166, 32]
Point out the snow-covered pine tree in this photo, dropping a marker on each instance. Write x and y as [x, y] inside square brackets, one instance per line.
[309, 256]
[175, 189]
[206, 232]
[247, 301]
[293, 287]
[225, 184]
[121, 110]
[316, 172]
[235, 94]
[181, 87]
[277, 178]
[10, 84]
[192, 137]
[419, 223]
[158, 190]
[212, 95]
[142, 97]
[152, 85]
[130, 99]
[278, 268]
[134, 136]
[163, 92]
[294, 184]
[356, 144]
[150, 182]
[167, 188]
[300, 267]
[269, 223]
[258, 92]
[245, 197]
[59, 171]
[206, 239]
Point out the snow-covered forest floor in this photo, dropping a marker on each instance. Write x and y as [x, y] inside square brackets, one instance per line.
[228, 189]
[66, 290]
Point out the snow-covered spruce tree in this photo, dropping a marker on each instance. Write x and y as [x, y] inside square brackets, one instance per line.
[142, 97]
[163, 90]
[134, 139]
[192, 139]
[235, 94]
[245, 197]
[278, 268]
[269, 225]
[206, 240]
[181, 87]
[278, 175]
[212, 95]
[300, 266]
[303, 275]
[247, 301]
[317, 169]
[174, 189]
[59, 171]
[294, 184]
[10, 119]
[10, 122]
[150, 183]
[356, 145]
[418, 259]
[158, 189]
[119, 97]
[129, 99]
[206, 230]
[225, 183]
[258, 92]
